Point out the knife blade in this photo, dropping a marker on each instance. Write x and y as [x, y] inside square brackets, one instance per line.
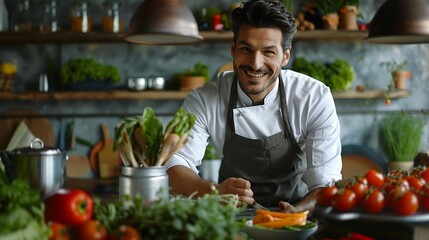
[256, 205]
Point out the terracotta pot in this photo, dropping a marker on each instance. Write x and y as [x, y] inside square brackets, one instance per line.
[348, 18]
[188, 83]
[405, 166]
[400, 77]
[331, 21]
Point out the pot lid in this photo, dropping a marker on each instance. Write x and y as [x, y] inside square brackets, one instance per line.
[36, 148]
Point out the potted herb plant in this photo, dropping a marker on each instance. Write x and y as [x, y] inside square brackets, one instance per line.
[194, 77]
[210, 164]
[88, 74]
[401, 136]
[399, 73]
[329, 10]
[348, 15]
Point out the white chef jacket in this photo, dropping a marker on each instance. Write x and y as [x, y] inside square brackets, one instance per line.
[311, 110]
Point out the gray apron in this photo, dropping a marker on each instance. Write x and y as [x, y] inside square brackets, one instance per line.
[274, 165]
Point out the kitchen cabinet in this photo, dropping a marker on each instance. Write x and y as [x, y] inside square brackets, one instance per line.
[211, 36]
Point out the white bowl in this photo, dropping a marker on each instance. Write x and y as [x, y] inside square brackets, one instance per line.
[260, 233]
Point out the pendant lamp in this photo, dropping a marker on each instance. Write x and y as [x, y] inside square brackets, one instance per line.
[163, 22]
[400, 22]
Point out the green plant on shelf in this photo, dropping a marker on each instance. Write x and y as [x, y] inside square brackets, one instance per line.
[83, 69]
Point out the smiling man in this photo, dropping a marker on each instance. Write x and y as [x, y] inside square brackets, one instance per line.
[276, 130]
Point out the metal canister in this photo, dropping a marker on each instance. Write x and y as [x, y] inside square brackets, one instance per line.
[150, 183]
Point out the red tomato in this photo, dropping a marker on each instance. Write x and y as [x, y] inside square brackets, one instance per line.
[125, 232]
[344, 200]
[69, 207]
[373, 201]
[326, 195]
[58, 231]
[416, 183]
[406, 204]
[375, 178]
[359, 186]
[393, 189]
[425, 174]
[91, 230]
[424, 198]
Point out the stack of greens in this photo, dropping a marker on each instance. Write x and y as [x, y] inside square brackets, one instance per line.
[21, 211]
[83, 69]
[152, 147]
[337, 75]
[212, 216]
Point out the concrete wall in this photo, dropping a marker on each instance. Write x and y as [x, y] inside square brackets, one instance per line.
[360, 119]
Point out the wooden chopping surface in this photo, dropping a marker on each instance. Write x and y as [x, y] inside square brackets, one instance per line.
[39, 126]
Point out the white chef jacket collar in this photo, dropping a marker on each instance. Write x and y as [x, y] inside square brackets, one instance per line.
[247, 101]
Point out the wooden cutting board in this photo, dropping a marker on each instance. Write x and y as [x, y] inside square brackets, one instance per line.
[107, 158]
[40, 127]
[78, 166]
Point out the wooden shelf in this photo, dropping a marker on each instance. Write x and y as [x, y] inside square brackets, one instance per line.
[168, 95]
[210, 36]
[96, 95]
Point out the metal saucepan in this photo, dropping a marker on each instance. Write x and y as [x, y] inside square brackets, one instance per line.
[43, 167]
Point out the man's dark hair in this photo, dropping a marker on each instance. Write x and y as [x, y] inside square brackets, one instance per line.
[265, 14]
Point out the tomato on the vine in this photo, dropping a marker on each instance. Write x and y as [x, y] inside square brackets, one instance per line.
[375, 178]
[424, 174]
[373, 201]
[416, 183]
[359, 186]
[406, 204]
[326, 195]
[344, 200]
[424, 198]
[59, 231]
[91, 230]
[125, 232]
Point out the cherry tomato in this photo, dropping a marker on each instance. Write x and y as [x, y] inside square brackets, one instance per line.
[425, 174]
[326, 195]
[374, 178]
[393, 189]
[416, 183]
[125, 232]
[69, 207]
[359, 186]
[58, 231]
[360, 88]
[424, 198]
[373, 201]
[344, 200]
[91, 230]
[406, 204]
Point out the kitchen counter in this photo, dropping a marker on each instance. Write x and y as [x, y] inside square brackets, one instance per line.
[107, 191]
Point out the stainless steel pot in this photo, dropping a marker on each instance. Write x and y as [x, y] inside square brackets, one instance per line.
[43, 167]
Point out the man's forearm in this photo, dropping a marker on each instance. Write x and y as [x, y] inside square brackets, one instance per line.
[183, 181]
[308, 202]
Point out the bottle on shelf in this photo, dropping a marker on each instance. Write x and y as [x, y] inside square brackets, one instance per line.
[112, 21]
[80, 18]
[22, 17]
[49, 21]
[4, 17]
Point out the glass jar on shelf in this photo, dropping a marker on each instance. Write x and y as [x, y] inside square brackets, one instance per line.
[80, 18]
[49, 21]
[112, 19]
[22, 17]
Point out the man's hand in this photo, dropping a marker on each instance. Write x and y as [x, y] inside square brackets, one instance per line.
[286, 207]
[238, 186]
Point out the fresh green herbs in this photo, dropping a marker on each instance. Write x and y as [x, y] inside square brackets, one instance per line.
[210, 153]
[81, 69]
[212, 216]
[21, 211]
[401, 135]
[337, 75]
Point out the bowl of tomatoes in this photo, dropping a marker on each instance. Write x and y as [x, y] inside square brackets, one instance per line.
[398, 196]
